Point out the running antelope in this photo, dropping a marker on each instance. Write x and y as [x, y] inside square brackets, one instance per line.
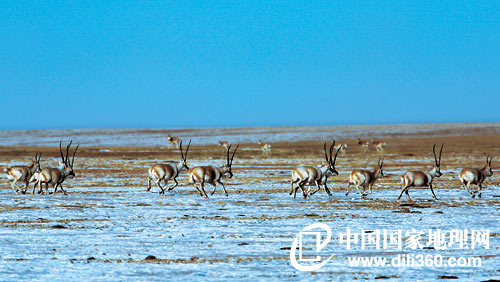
[166, 172]
[365, 178]
[422, 178]
[342, 147]
[364, 145]
[379, 145]
[23, 173]
[224, 145]
[56, 176]
[212, 174]
[265, 147]
[312, 175]
[173, 141]
[469, 176]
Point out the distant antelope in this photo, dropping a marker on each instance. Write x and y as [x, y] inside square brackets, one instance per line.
[166, 172]
[364, 145]
[265, 147]
[379, 145]
[422, 178]
[311, 175]
[224, 145]
[173, 141]
[212, 174]
[56, 176]
[342, 147]
[365, 178]
[469, 176]
[23, 174]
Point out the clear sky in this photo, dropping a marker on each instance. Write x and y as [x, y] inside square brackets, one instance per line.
[158, 64]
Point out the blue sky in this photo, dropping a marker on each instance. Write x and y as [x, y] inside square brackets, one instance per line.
[157, 64]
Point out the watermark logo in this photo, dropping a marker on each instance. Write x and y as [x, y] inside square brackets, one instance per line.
[320, 244]
[320, 234]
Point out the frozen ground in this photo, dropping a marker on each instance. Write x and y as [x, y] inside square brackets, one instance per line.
[108, 224]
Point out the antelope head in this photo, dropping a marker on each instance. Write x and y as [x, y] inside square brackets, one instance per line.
[184, 156]
[227, 167]
[65, 164]
[36, 163]
[487, 168]
[436, 170]
[331, 163]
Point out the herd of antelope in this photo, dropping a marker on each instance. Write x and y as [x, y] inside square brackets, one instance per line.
[302, 175]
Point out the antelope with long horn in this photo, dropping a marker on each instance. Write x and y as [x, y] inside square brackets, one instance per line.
[212, 174]
[422, 178]
[265, 147]
[365, 178]
[165, 172]
[23, 173]
[56, 176]
[469, 176]
[173, 141]
[364, 145]
[311, 175]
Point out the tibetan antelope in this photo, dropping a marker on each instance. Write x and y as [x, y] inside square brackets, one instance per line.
[422, 178]
[166, 172]
[469, 176]
[56, 176]
[342, 147]
[265, 147]
[23, 174]
[311, 175]
[364, 145]
[365, 178]
[212, 174]
[379, 145]
[173, 141]
[224, 145]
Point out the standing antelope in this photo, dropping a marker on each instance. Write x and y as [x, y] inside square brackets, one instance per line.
[312, 175]
[364, 145]
[56, 176]
[224, 145]
[469, 176]
[173, 141]
[342, 147]
[365, 178]
[265, 147]
[379, 145]
[23, 174]
[212, 174]
[166, 172]
[422, 178]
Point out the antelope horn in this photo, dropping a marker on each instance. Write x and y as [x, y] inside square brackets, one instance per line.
[227, 154]
[331, 153]
[440, 151]
[67, 151]
[326, 155]
[74, 153]
[187, 149]
[60, 151]
[234, 152]
[434, 151]
[335, 158]
[180, 147]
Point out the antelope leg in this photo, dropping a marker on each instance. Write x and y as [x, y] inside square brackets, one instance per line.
[432, 190]
[176, 183]
[225, 191]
